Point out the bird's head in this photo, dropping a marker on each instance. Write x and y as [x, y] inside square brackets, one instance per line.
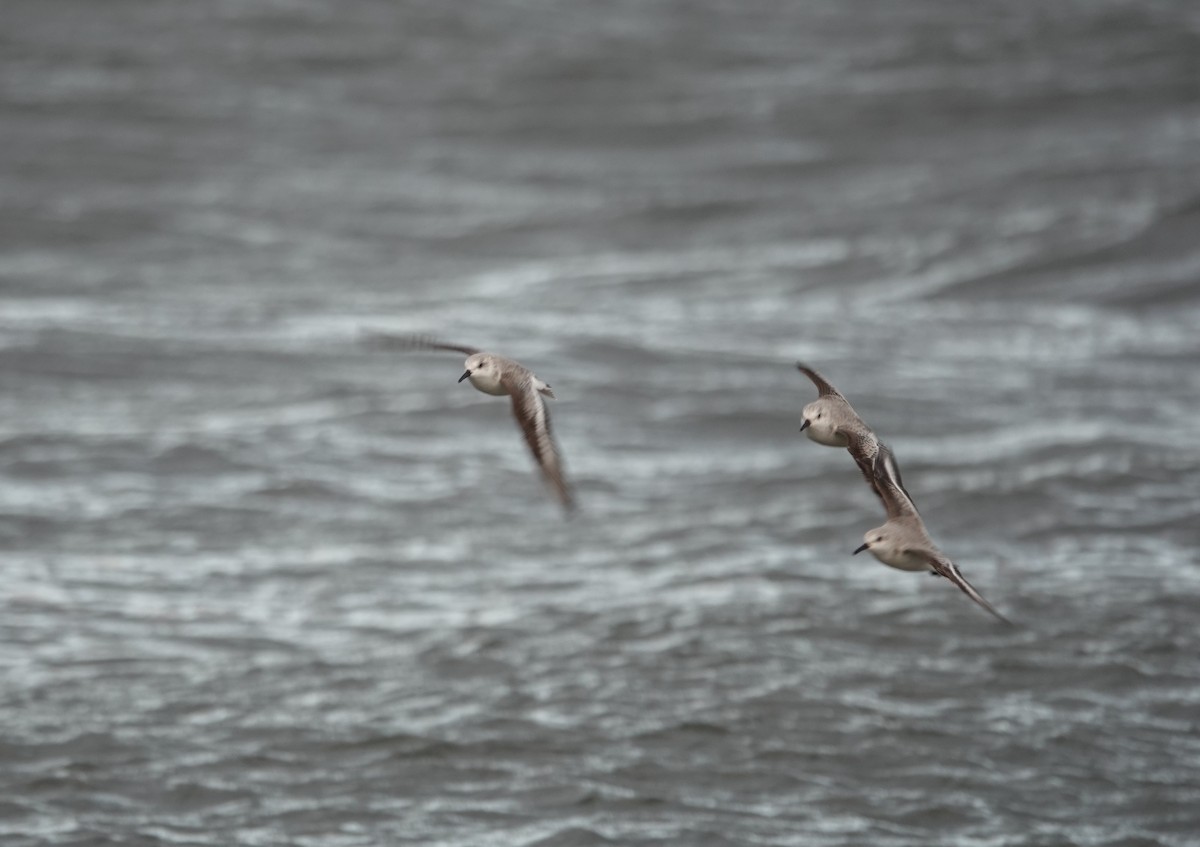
[818, 421]
[484, 372]
[876, 540]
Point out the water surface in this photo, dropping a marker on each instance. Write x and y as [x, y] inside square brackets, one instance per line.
[267, 585]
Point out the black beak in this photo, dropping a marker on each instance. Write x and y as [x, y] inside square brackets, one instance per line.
[860, 549]
[805, 425]
[464, 376]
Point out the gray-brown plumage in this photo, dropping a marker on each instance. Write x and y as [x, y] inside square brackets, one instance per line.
[904, 543]
[501, 376]
[832, 421]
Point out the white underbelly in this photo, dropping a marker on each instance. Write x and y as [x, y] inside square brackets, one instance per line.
[488, 386]
[828, 437]
[901, 560]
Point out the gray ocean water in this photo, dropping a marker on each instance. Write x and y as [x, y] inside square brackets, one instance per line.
[263, 584]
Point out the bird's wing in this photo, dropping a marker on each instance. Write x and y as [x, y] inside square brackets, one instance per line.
[896, 501]
[383, 341]
[944, 567]
[878, 466]
[863, 447]
[824, 387]
[885, 465]
[530, 412]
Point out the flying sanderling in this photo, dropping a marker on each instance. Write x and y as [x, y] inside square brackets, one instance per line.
[904, 543]
[832, 421]
[499, 376]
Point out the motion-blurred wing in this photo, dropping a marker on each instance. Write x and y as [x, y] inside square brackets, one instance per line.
[383, 341]
[945, 567]
[531, 413]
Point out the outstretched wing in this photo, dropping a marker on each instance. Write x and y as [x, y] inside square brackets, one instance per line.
[863, 447]
[886, 467]
[878, 466]
[945, 567]
[530, 412]
[895, 499]
[383, 341]
[824, 387]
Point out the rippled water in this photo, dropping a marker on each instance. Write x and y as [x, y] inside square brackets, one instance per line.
[267, 585]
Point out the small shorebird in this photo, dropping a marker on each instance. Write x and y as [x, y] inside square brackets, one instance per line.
[500, 376]
[832, 421]
[904, 543]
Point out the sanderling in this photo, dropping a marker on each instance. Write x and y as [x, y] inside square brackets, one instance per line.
[904, 543]
[500, 376]
[832, 421]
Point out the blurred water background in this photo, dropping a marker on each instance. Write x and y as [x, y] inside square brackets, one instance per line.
[266, 585]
